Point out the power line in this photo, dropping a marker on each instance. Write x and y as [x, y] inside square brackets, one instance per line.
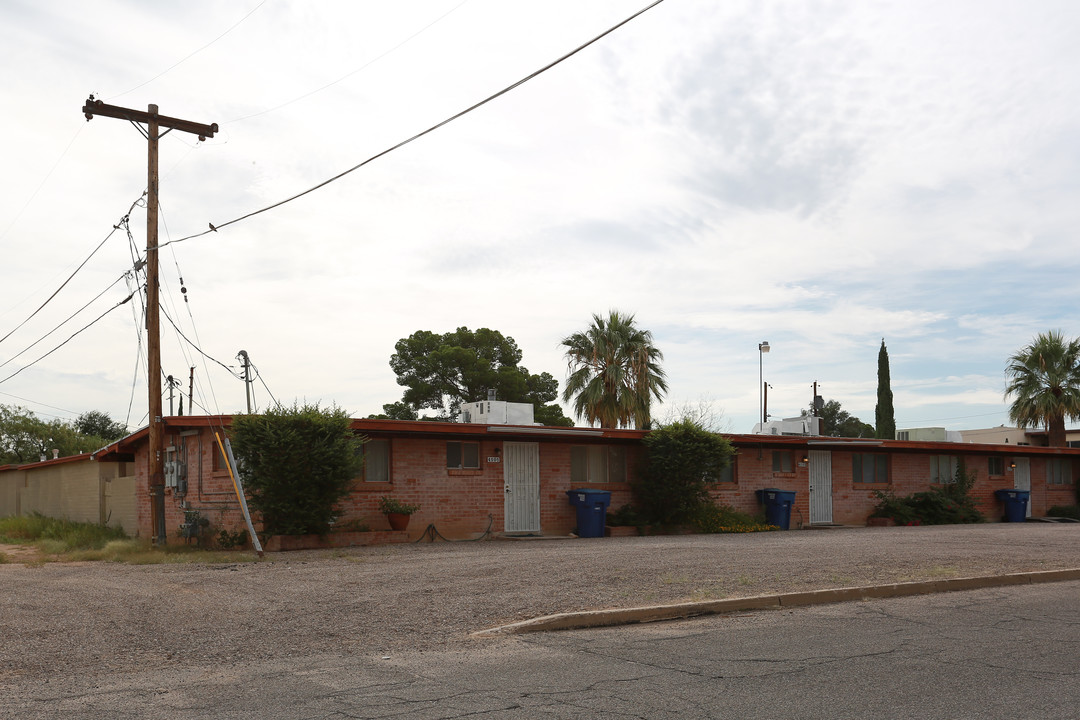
[194, 329]
[433, 128]
[72, 337]
[348, 75]
[205, 410]
[258, 374]
[66, 321]
[35, 402]
[134, 381]
[123, 221]
[197, 348]
[138, 313]
[192, 54]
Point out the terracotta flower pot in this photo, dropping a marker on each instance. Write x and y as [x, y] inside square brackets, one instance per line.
[398, 521]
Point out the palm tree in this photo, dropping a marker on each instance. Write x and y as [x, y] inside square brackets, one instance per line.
[614, 371]
[1045, 379]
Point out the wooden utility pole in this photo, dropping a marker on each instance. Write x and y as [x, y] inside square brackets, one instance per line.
[154, 123]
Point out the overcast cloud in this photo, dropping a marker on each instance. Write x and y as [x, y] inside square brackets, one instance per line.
[820, 175]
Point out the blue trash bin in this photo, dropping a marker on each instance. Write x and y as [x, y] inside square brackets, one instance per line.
[777, 506]
[1016, 502]
[592, 508]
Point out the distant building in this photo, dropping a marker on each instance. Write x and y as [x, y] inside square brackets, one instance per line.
[929, 434]
[790, 426]
[1003, 435]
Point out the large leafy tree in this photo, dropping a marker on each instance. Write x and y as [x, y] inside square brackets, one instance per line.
[884, 416]
[396, 411]
[1044, 381]
[615, 372]
[22, 435]
[95, 422]
[441, 371]
[837, 422]
[25, 438]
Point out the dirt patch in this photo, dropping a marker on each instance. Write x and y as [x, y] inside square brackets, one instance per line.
[16, 554]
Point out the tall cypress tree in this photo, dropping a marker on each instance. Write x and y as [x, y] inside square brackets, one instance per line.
[884, 418]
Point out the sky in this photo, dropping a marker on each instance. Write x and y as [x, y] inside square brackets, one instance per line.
[819, 175]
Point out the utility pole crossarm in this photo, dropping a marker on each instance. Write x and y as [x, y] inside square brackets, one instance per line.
[96, 107]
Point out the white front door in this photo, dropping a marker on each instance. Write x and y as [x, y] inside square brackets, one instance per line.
[521, 486]
[820, 486]
[1022, 478]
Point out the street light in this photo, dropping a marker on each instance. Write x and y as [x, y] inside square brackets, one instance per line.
[763, 347]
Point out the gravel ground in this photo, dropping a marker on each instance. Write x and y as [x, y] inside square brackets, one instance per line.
[96, 617]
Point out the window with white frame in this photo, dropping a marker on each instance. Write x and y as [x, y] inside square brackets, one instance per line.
[376, 458]
[597, 464]
[943, 469]
[1059, 471]
[462, 455]
[869, 468]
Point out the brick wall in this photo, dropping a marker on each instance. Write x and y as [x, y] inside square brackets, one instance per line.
[209, 490]
[852, 502]
[754, 471]
[460, 503]
[463, 503]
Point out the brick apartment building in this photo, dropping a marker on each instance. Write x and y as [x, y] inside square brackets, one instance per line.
[512, 479]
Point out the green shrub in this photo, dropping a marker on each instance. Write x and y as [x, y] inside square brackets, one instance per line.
[228, 540]
[298, 463]
[1067, 511]
[948, 504]
[681, 458]
[626, 516]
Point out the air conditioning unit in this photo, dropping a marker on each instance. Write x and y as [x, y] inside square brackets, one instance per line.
[497, 412]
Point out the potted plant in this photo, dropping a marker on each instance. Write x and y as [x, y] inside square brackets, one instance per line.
[396, 512]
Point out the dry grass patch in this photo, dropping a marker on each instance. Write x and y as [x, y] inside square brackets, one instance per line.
[36, 539]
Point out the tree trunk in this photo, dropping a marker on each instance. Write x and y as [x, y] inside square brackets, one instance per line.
[1057, 432]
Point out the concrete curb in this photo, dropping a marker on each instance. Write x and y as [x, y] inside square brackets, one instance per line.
[653, 613]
